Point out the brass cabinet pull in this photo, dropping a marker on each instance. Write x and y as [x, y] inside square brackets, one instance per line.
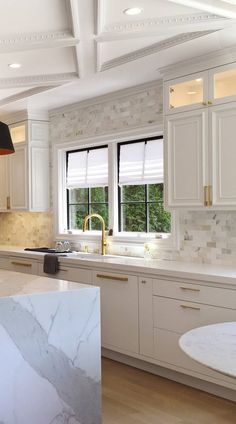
[112, 277]
[172, 107]
[206, 196]
[204, 103]
[8, 203]
[209, 102]
[21, 264]
[190, 307]
[209, 195]
[189, 289]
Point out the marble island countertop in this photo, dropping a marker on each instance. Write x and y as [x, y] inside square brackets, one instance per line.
[165, 268]
[213, 346]
[50, 356]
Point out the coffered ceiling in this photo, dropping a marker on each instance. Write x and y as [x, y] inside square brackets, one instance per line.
[71, 50]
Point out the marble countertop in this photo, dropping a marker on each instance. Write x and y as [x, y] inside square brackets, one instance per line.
[193, 271]
[15, 283]
[213, 346]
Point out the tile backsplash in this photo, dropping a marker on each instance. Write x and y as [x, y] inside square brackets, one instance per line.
[29, 229]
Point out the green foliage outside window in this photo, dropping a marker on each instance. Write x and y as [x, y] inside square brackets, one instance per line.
[141, 208]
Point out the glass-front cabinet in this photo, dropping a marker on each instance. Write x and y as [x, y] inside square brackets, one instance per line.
[222, 87]
[186, 92]
[203, 89]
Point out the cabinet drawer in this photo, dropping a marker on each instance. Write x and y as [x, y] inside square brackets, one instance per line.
[168, 351]
[181, 316]
[78, 275]
[195, 293]
[22, 265]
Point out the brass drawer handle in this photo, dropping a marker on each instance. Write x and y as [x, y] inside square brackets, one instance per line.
[189, 289]
[112, 277]
[21, 264]
[190, 307]
[8, 203]
[206, 196]
[209, 195]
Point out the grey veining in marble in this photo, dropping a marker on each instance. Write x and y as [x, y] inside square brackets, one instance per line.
[213, 346]
[50, 357]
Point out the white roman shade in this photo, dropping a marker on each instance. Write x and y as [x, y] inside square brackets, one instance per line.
[141, 162]
[87, 168]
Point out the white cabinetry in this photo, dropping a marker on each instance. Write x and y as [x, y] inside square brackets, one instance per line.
[146, 329]
[28, 266]
[200, 147]
[119, 310]
[76, 274]
[25, 173]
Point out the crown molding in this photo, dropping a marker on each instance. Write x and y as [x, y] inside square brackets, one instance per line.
[114, 95]
[37, 40]
[32, 80]
[154, 48]
[24, 115]
[158, 23]
[25, 93]
[216, 58]
[217, 6]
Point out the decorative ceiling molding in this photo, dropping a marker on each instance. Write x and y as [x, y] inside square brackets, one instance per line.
[218, 7]
[47, 79]
[154, 48]
[40, 40]
[157, 23]
[73, 14]
[26, 93]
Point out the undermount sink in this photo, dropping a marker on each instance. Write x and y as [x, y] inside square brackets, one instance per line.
[97, 256]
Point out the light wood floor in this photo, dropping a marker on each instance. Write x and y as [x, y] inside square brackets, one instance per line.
[131, 396]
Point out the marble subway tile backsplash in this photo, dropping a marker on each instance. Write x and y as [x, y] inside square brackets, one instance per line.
[29, 229]
[207, 237]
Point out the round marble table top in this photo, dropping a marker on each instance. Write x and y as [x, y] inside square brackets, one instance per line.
[213, 346]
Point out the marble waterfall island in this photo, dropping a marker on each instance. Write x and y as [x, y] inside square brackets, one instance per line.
[50, 351]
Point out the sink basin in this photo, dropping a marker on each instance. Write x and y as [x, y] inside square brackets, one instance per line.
[97, 256]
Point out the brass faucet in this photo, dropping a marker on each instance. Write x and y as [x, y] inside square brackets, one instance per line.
[95, 215]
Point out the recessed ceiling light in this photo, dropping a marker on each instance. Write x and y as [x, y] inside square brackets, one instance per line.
[14, 65]
[133, 11]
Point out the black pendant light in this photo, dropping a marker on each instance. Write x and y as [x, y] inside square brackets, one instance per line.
[6, 145]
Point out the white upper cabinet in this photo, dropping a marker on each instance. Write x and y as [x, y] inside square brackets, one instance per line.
[24, 175]
[194, 91]
[186, 154]
[200, 147]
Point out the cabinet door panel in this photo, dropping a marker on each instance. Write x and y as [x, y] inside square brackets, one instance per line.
[3, 182]
[39, 179]
[146, 317]
[119, 311]
[18, 179]
[223, 125]
[186, 154]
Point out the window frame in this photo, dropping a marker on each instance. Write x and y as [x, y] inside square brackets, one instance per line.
[59, 193]
[88, 203]
[145, 202]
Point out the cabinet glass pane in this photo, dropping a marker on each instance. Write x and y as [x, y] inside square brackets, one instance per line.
[186, 93]
[225, 84]
[18, 134]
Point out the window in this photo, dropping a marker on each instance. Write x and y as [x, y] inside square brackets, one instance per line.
[140, 192]
[87, 186]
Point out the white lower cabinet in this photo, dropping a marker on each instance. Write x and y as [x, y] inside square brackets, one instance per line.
[119, 311]
[180, 307]
[146, 330]
[28, 266]
[75, 274]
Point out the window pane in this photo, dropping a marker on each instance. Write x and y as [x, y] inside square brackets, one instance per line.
[133, 217]
[99, 194]
[155, 192]
[133, 193]
[77, 214]
[101, 210]
[159, 219]
[78, 195]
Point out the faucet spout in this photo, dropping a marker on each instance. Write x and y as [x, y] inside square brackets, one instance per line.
[85, 225]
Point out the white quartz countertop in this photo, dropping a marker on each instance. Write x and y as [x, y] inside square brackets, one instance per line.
[213, 346]
[193, 271]
[15, 283]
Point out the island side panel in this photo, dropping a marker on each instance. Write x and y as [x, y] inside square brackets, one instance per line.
[50, 358]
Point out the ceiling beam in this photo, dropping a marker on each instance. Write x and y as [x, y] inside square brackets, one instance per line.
[73, 13]
[218, 7]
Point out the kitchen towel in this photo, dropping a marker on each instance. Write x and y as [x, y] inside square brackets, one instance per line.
[50, 264]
